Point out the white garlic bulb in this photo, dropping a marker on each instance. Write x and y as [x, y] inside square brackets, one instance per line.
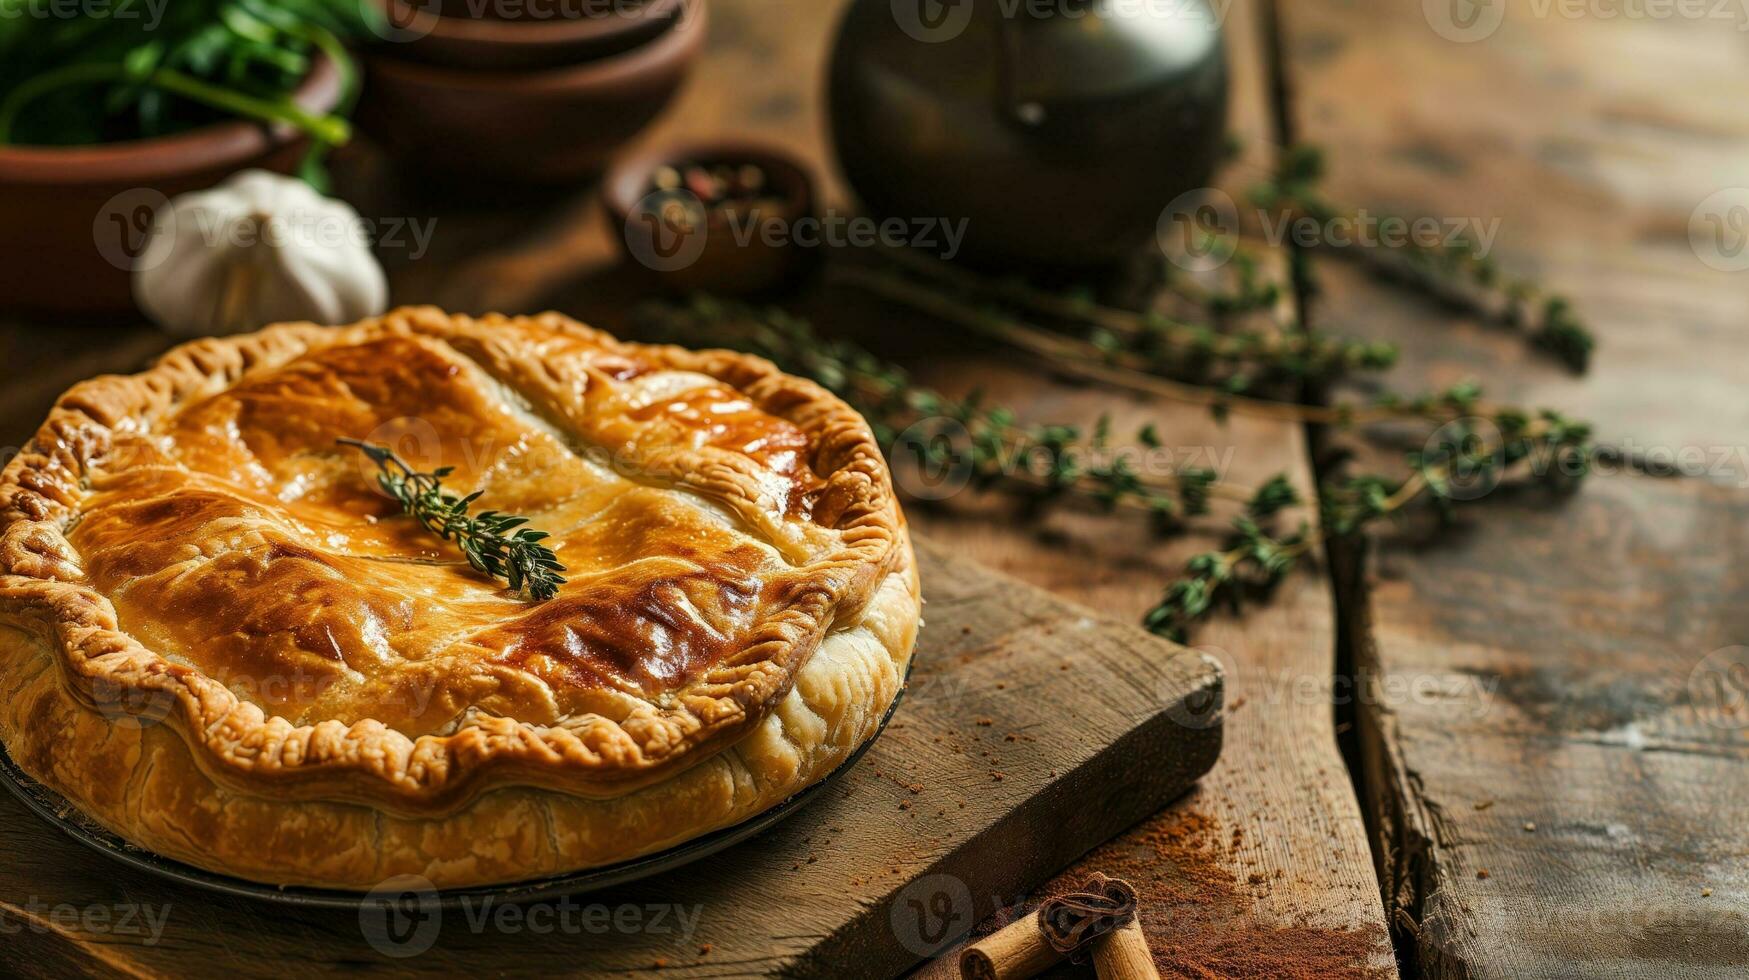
[259, 248]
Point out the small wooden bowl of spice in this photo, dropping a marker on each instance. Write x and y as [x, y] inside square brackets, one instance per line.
[726, 217]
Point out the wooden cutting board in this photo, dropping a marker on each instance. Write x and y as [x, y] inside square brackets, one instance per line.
[1031, 732]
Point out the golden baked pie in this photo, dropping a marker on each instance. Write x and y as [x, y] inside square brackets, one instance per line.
[224, 642]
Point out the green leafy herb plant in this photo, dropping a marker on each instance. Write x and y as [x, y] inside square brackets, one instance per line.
[131, 70]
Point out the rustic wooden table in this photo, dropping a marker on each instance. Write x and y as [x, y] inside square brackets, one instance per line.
[1357, 826]
[1599, 631]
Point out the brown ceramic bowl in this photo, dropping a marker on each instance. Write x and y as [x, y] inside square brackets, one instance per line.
[496, 39]
[734, 258]
[529, 127]
[79, 216]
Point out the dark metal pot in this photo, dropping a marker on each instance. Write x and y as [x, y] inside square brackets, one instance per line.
[1058, 128]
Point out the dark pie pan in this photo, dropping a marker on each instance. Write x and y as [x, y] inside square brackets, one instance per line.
[54, 808]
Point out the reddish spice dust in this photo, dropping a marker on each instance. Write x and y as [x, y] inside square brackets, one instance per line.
[1193, 910]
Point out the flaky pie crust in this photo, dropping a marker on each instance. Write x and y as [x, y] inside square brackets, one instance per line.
[775, 589]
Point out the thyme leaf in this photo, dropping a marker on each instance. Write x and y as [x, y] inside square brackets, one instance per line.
[1457, 271]
[1042, 461]
[1462, 461]
[1473, 446]
[495, 544]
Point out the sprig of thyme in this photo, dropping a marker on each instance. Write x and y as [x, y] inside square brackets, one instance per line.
[1461, 462]
[495, 544]
[1474, 445]
[1458, 273]
[1083, 360]
[1252, 557]
[1236, 359]
[1041, 461]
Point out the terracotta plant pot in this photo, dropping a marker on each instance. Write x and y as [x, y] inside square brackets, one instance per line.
[717, 261]
[78, 217]
[452, 37]
[549, 126]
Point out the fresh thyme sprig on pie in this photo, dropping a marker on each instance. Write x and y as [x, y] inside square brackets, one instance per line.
[496, 544]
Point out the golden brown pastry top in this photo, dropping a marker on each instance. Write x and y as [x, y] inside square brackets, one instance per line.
[195, 536]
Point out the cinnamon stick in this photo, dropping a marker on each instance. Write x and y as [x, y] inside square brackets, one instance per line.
[1016, 951]
[1067, 925]
[1124, 955]
[1071, 922]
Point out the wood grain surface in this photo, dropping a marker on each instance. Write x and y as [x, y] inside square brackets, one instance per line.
[1279, 857]
[1558, 798]
[1021, 707]
[1575, 666]
[1269, 857]
[1270, 852]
